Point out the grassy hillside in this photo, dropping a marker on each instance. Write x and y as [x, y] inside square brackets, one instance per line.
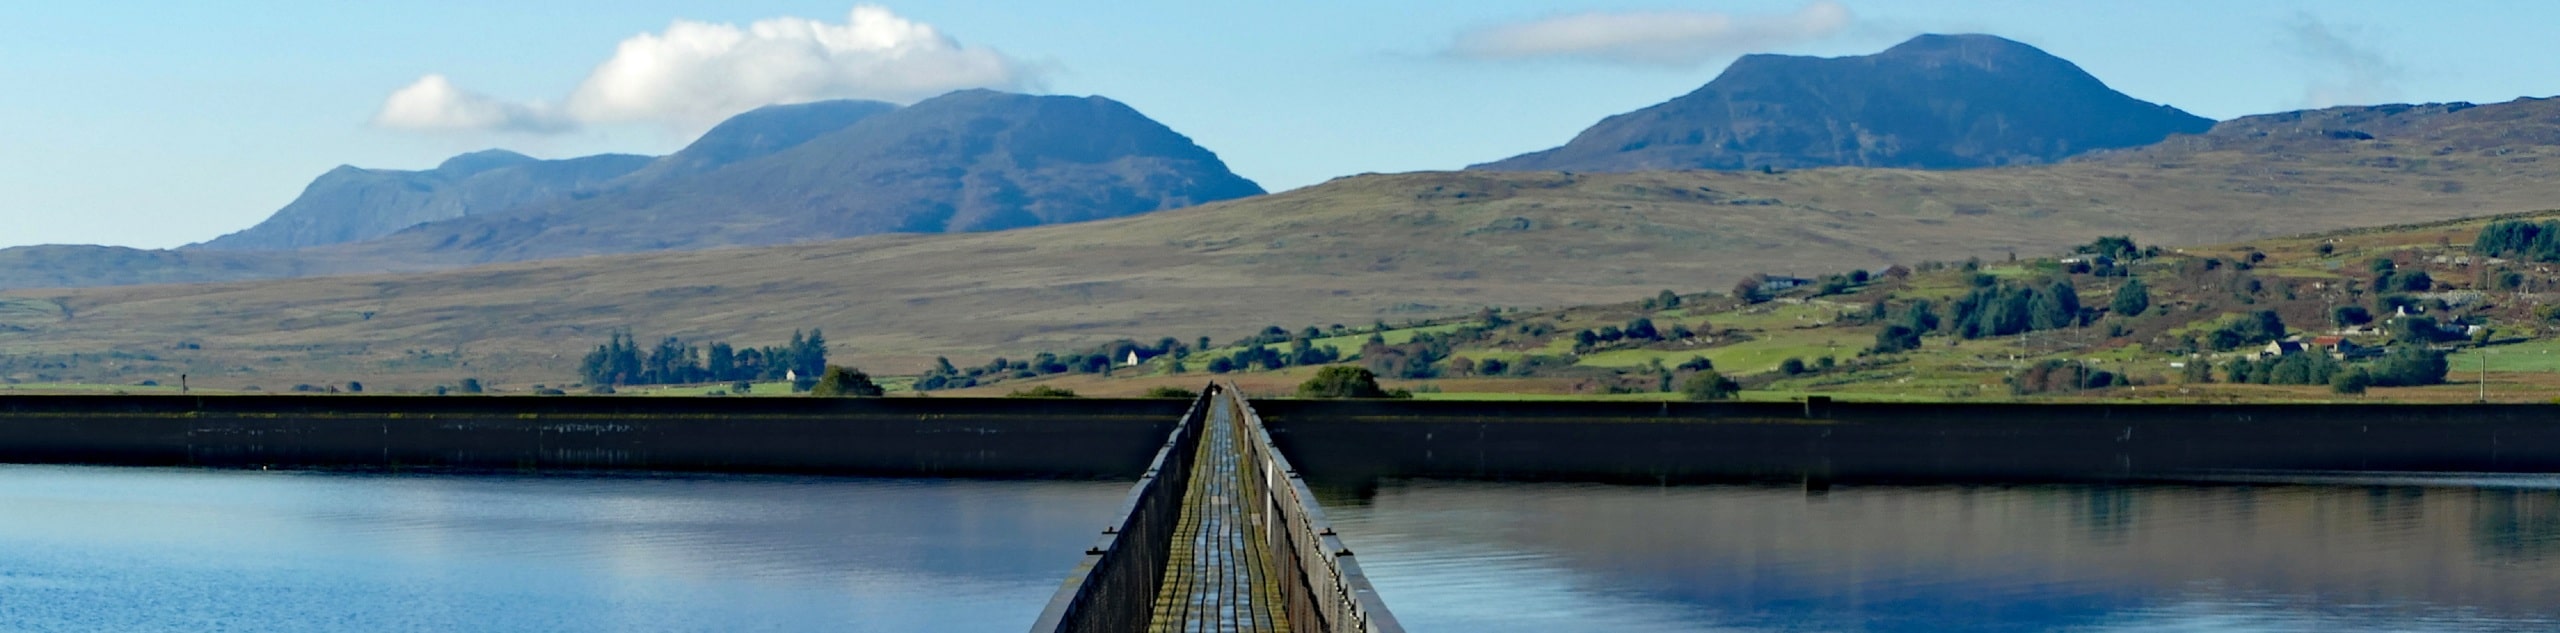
[2490, 315]
[1352, 251]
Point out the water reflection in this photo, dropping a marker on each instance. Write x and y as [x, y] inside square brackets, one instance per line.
[2375, 556]
[91, 549]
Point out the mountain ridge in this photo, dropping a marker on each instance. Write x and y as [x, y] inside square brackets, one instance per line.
[1933, 102]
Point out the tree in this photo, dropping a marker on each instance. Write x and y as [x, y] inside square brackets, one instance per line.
[356, 387]
[841, 382]
[470, 385]
[1896, 339]
[1748, 290]
[2410, 366]
[1709, 385]
[2132, 299]
[1642, 329]
[1791, 366]
[1342, 381]
[2350, 315]
[1667, 299]
[1490, 367]
[2416, 330]
[2350, 382]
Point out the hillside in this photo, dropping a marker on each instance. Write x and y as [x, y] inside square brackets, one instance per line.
[1934, 102]
[1350, 251]
[352, 204]
[2408, 313]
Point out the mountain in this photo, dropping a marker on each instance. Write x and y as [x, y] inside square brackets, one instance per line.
[1934, 102]
[1373, 247]
[967, 161]
[754, 134]
[351, 204]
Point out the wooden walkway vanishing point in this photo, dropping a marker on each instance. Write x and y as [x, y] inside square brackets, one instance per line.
[1218, 579]
[1219, 535]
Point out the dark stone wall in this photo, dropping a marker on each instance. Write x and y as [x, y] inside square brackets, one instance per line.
[891, 437]
[1346, 442]
[1327, 440]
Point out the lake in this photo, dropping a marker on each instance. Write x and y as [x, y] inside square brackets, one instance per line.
[108, 549]
[2334, 552]
[87, 548]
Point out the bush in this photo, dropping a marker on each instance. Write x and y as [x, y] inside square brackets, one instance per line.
[1896, 339]
[1709, 385]
[2350, 382]
[2410, 366]
[840, 382]
[1791, 366]
[1342, 381]
[2350, 315]
[470, 385]
[1042, 391]
[1172, 393]
[2132, 299]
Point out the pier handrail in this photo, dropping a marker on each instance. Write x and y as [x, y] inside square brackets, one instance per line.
[1114, 587]
[1323, 585]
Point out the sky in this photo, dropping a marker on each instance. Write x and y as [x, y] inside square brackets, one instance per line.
[154, 124]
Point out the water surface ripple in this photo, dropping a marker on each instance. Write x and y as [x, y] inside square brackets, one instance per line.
[118, 549]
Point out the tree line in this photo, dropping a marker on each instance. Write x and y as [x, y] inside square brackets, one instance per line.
[621, 360]
[2520, 239]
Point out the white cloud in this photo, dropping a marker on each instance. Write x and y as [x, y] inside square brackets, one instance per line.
[694, 74]
[434, 103]
[2353, 73]
[1651, 38]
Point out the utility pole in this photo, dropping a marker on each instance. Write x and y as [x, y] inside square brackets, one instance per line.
[2484, 375]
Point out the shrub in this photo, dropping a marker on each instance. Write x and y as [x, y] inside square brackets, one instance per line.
[1342, 381]
[1709, 385]
[2350, 382]
[1791, 366]
[1172, 393]
[1896, 339]
[1042, 391]
[840, 382]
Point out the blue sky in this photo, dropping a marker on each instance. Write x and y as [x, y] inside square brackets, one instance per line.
[155, 124]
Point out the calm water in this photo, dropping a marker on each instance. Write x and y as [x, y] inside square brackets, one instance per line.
[89, 549]
[2350, 554]
[104, 549]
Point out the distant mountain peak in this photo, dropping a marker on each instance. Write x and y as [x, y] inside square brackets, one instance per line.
[1932, 102]
[483, 160]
